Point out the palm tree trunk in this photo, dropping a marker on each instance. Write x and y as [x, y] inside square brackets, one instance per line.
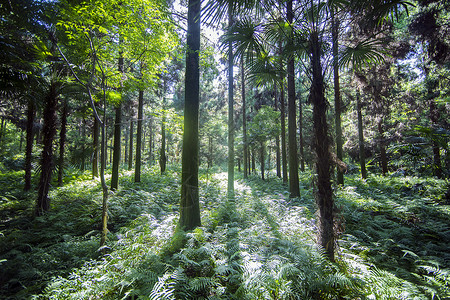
[62, 142]
[31, 112]
[322, 145]
[294, 188]
[49, 132]
[189, 204]
[137, 170]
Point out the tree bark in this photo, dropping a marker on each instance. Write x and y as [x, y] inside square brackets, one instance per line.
[300, 132]
[189, 204]
[49, 132]
[337, 96]
[277, 141]
[322, 145]
[130, 152]
[31, 112]
[294, 188]
[244, 120]
[116, 148]
[137, 170]
[95, 133]
[283, 133]
[261, 160]
[162, 152]
[230, 190]
[150, 143]
[434, 117]
[62, 142]
[382, 145]
[362, 156]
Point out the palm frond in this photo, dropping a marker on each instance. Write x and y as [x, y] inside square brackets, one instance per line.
[364, 54]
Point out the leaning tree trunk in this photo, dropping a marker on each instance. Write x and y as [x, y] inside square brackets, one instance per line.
[294, 188]
[230, 190]
[49, 132]
[322, 146]
[137, 170]
[189, 204]
[337, 96]
[31, 112]
[362, 155]
[62, 142]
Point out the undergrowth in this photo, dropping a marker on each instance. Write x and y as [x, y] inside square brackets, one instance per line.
[261, 245]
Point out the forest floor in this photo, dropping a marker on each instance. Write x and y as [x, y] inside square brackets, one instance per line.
[394, 237]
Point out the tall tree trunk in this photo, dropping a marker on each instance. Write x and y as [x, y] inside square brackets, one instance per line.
[322, 146]
[261, 160]
[294, 188]
[244, 119]
[162, 152]
[126, 139]
[283, 133]
[103, 153]
[362, 156]
[116, 148]
[49, 132]
[277, 141]
[189, 204]
[230, 190]
[2, 126]
[434, 117]
[83, 140]
[337, 96]
[95, 134]
[150, 143]
[130, 154]
[382, 145]
[62, 142]
[137, 170]
[31, 112]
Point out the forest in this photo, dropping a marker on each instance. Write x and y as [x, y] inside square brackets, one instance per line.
[224, 149]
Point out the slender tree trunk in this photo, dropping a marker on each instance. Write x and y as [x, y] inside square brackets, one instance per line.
[362, 156]
[126, 138]
[337, 96]
[31, 112]
[83, 140]
[434, 117]
[103, 153]
[244, 120]
[62, 142]
[253, 160]
[230, 190]
[277, 141]
[382, 145]
[137, 170]
[189, 205]
[130, 154]
[261, 160]
[162, 153]
[117, 148]
[300, 131]
[322, 145]
[283, 133]
[2, 126]
[150, 143]
[49, 132]
[95, 134]
[294, 188]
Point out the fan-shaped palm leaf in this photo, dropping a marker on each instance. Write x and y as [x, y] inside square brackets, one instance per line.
[365, 53]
